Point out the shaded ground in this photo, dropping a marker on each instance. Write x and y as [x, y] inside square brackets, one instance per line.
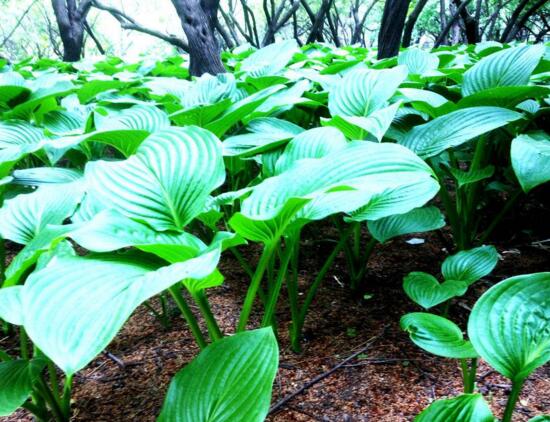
[392, 380]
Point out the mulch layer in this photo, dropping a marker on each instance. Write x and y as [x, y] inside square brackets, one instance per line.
[391, 380]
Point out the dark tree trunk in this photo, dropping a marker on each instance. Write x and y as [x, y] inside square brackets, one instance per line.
[316, 33]
[199, 19]
[451, 24]
[515, 15]
[71, 19]
[409, 25]
[391, 27]
[523, 20]
[471, 26]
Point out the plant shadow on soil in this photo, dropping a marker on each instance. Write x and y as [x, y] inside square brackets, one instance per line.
[392, 381]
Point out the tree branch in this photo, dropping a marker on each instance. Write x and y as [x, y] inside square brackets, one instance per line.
[127, 22]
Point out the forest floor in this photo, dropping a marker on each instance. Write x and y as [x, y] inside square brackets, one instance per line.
[392, 380]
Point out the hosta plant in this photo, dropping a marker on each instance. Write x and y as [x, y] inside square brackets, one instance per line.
[507, 328]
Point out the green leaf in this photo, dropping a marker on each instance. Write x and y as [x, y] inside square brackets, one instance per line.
[44, 88]
[17, 139]
[109, 231]
[266, 133]
[530, 157]
[540, 418]
[271, 59]
[424, 289]
[166, 183]
[125, 131]
[209, 89]
[418, 62]
[437, 335]
[38, 176]
[464, 178]
[12, 85]
[16, 380]
[75, 306]
[471, 265]
[230, 380]
[371, 128]
[509, 67]
[456, 128]
[376, 180]
[508, 97]
[241, 109]
[415, 221]
[314, 143]
[464, 408]
[25, 216]
[363, 91]
[44, 241]
[509, 325]
[59, 122]
[10, 305]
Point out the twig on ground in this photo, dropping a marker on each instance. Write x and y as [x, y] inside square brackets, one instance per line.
[116, 360]
[281, 403]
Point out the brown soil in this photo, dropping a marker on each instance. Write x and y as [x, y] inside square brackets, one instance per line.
[392, 381]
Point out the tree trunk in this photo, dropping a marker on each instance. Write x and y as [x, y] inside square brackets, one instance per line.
[451, 24]
[521, 23]
[409, 25]
[471, 27]
[199, 19]
[71, 22]
[391, 27]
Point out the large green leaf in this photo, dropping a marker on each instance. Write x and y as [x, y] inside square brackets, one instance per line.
[230, 380]
[10, 305]
[456, 128]
[424, 289]
[109, 231]
[371, 128]
[125, 130]
[266, 133]
[17, 139]
[415, 221]
[504, 96]
[417, 61]
[25, 216]
[375, 180]
[531, 160]
[16, 381]
[509, 67]
[44, 89]
[166, 183]
[363, 91]
[464, 408]
[509, 325]
[12, 85]
[271, 59]
[471, 265]
[75, 306]
[314, 143]
[437, 335]
[46, 239]
[242, 108]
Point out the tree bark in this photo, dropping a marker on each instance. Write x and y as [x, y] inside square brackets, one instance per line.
[391, 28]
[71, 20]
[523, 20]
[409, 25]
[450, 23]
[471, 27]
[513, 18]
[199, 19]
[316, 33]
